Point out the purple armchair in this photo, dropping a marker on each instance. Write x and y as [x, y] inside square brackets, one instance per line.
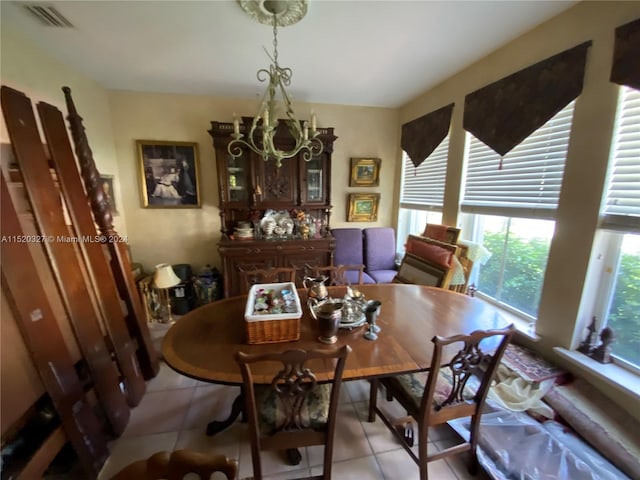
[380, 253]
[349, 252]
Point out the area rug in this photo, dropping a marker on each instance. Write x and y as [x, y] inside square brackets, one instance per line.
[528, 365]
[608, 428]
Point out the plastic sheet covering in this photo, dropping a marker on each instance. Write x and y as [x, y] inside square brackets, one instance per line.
[513, 446]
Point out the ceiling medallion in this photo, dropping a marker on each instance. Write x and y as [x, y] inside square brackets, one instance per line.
[287, 12]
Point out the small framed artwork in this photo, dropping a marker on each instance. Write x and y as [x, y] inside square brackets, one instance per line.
[107, 187]
[363, 207]
[414, 269]
[169, 174]
[365, 172]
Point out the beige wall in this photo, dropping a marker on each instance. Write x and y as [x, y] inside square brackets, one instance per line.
[28, 69]
[190, 235]
[587, 157]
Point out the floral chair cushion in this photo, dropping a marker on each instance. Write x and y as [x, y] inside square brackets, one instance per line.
[273, 413]
[414, 384]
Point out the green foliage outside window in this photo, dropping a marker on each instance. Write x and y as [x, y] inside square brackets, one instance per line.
[520, 286]
[624, 314]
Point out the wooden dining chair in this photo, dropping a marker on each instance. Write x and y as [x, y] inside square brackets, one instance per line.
[452, 389]
[291, 410]
[341, 274]
[266, 275]
[177, 464]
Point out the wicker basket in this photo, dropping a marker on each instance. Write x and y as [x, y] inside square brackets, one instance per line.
[284, 327]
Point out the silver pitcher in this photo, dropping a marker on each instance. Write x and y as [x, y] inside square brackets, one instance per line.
[328, 313]
[316, 287]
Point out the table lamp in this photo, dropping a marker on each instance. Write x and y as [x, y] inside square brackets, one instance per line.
[163, 279]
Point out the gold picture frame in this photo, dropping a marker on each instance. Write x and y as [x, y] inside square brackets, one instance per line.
[365, 172]
[169, 174]
[363, 207]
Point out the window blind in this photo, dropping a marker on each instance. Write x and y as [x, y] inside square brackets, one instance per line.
[525, 182]
[622, 202]
[423, 187]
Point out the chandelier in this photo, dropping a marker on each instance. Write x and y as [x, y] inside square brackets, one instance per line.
[260, 137]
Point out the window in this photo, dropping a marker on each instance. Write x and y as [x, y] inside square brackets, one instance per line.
[423, 187]
[412, 222]
[509, 205]
[513, 276]
[618, 299]
[421, 193]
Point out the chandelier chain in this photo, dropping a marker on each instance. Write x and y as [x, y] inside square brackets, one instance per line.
[275, 40]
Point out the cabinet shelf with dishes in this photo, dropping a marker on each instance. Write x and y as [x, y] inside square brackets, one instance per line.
[249, 188]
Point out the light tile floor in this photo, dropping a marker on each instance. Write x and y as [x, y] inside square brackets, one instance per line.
[175, 410]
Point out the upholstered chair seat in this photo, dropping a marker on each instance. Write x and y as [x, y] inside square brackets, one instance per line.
[412, 386]
[272, 412]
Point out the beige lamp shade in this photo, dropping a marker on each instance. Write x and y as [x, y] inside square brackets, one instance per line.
[165, 277]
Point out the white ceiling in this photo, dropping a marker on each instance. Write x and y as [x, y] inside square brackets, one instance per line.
[375, 53]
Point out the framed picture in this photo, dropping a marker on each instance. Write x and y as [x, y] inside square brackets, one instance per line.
[414, 269]
[169, 174]
[365, 172]
[363, 207]
[107, 187]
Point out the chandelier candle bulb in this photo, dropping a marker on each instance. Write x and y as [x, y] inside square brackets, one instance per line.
[236, 124]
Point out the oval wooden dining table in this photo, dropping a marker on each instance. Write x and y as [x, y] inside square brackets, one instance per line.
[202, 344]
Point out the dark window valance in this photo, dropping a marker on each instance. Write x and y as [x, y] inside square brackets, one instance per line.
[506, 112]
[626, 55]
[421, 136]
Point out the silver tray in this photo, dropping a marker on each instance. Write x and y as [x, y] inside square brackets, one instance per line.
[362, 320]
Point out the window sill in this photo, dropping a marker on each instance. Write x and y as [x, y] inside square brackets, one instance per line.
[610, 373]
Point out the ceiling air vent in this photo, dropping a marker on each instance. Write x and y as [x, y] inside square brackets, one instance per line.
[48, 15]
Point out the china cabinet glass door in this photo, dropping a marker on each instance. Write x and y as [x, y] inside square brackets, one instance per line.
[314, 181]
[238, 179]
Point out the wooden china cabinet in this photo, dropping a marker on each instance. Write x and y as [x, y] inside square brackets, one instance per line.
[249, 186]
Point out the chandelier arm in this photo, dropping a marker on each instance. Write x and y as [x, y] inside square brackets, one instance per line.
[235, 147]
[263, 74]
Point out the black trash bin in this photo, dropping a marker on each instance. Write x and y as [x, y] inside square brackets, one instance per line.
[183, 296]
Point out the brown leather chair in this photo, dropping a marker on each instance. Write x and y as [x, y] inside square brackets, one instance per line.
[452, 389]
[175, 465]
[266, 275]
[291, 410]
[338, 274]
